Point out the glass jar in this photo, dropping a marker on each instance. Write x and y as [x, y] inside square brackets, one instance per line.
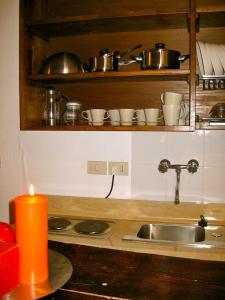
[72, 113]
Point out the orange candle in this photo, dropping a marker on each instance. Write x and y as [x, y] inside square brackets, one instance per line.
[31, 220]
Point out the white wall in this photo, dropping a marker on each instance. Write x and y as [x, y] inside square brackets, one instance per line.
[55, 162]
[10, 179]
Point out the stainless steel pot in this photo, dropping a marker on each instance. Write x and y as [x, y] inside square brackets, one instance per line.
[160, 58]
[108, 60]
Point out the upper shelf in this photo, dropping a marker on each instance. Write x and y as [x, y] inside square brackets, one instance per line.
[78, 25]
[96, 16]
[166, 74]
[212, 13]
[210, 5]
[77, 18]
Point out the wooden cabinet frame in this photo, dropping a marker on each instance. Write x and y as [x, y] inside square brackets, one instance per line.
[42, 28]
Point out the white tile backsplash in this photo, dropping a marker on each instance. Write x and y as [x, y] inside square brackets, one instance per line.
[56, 163]
[208, 147]
[190, 186]
[214, 150]
[149, 147]
[185, 146]
[214, 184]
[147, 182]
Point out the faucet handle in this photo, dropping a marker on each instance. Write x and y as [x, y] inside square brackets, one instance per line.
[164, 165]
[192, 166]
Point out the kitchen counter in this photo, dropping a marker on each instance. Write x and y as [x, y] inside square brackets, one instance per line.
[128, 215]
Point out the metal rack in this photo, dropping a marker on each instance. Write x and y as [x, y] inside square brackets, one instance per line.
[213, 82]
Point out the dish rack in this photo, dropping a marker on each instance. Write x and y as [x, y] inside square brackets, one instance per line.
[213, 82]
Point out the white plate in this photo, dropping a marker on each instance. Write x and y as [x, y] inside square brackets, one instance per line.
[221, 48]
[207, 64]
[200, 61]
[215, 58]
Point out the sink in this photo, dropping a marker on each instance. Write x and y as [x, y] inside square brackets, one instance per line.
[189, 235]
[172, 233]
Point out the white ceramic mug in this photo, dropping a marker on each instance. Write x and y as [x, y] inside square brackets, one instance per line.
[114, 115]
[140, 114]
[127, 116]
[86, 114]
[152, 116]
[170, 98]
[182, 120]
[172, 114]
[97, 116]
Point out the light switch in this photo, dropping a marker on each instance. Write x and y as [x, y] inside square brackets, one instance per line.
[97, 167]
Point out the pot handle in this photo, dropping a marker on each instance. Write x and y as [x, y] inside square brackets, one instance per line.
[126, 62]
[137, 58]
[184, 57]
[130, 50]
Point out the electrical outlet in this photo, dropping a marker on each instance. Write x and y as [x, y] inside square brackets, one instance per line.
[118, 168]
[97, 167]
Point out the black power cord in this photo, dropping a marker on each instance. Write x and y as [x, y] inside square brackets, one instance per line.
[112, 184]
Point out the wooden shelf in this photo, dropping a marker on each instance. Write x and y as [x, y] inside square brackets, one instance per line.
[108, 128]
[79, 25]
[166, 74]
[210, 6]
[211, 13]
[212, 19]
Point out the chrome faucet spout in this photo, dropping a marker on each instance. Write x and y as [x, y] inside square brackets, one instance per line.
[177, 190]
[191, 167]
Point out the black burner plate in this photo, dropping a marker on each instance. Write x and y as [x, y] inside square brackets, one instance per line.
[91, 227]
[58, 223]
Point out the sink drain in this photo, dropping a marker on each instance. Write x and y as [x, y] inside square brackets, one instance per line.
[216, 235]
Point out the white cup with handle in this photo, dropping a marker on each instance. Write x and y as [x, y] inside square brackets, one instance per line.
[182, 120]
[172, 114]
[95, 116]
[86, 115]
[140, 114]
[171, 98]
[99, 116]
[127, 116]
[114, 115]
[152, 116]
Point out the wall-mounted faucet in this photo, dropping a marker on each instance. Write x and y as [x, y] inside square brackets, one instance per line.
[192, 167]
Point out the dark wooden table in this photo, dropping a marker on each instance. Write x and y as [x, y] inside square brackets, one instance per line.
[112, 274]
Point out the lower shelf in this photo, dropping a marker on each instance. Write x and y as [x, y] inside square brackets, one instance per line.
[107, 128]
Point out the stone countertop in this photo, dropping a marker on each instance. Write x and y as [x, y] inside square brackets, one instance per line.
[128, 215]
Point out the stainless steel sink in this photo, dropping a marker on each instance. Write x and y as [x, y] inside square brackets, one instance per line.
[180, 234]
[172, 233]
[189, 235]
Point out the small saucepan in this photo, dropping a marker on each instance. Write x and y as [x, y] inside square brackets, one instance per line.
[160, 58]
[108, 60]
